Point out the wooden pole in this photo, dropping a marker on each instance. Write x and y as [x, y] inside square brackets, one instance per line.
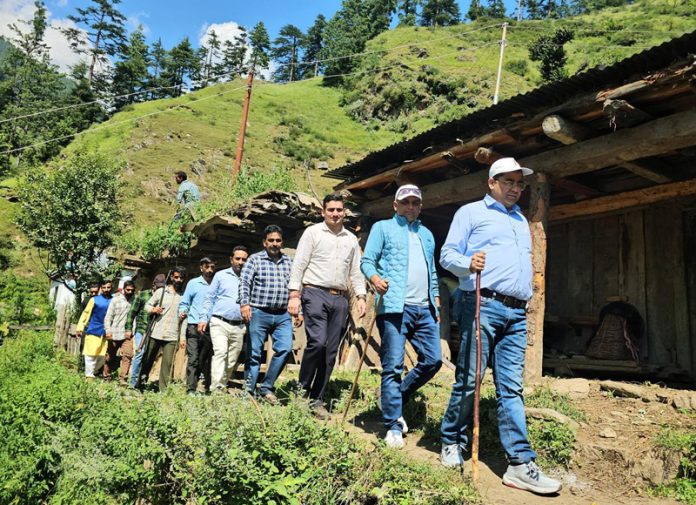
[242, 128]
[477, 386]
[500, 65]
[538, 221]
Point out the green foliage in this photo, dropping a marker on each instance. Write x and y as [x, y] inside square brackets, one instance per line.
[65, 441]
[72, 211]
[260, 44]
[23, 300]
[154, 242]
[546, 398]
[684, 486]
[440, 13]
[549, 51]
[554, 442]
[251, 182]
[518, 67]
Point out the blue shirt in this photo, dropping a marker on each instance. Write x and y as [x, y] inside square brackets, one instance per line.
[265, 282]
[192, 301]
[487, 225]
[188, 193]
[223, 296]
[417, 282]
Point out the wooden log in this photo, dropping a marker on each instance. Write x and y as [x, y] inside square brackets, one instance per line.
[60, 335]
[622, 114]
[629, 199]
[486, 156]
[538, 222]
[645, 171]
[565, 131]
[656, 137]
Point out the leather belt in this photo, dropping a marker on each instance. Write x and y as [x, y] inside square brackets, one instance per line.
[508, 301]
[338, 292]
[233, 322]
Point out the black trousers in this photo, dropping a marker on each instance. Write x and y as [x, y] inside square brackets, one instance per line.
[150, 353]
[199, 351]
[325, 322]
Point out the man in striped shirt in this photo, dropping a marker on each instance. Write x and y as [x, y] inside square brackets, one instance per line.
[264, 306]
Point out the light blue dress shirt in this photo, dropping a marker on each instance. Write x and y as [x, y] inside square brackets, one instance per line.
[223, 297]
[192, 300]
[188, 193]
[417, 281]
[503, 235]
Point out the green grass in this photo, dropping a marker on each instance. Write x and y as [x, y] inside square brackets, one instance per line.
[683, 487]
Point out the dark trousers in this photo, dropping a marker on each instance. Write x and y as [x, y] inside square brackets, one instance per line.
[325, 321]
[150, 355]
[199, 350]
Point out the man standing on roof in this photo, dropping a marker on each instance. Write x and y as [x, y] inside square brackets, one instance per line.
[187, 195]
[326, 262]
[399, 261]
[492, 236]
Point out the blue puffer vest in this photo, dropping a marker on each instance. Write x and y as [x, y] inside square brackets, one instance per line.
[386, 254]
[96, 320]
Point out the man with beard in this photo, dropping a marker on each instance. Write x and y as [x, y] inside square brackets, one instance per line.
[326, 263]
[163, 306]
[91, 324]
[115, 326]
[264, 305]
[223, 318]
[198, 346]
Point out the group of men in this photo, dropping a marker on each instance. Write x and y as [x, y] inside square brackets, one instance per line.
[267, 293]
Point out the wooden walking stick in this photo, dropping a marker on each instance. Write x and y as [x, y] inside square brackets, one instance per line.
[477, 384]
[362, 358]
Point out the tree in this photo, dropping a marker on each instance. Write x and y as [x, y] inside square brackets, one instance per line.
[210, 53]
[286, 48]
[181, 64]
[104, 33]
[550, 52]
[408, 12]
[158, 63]
[312, 45]
[31, 43]
[495, 9]
[131, 72]
[233, 55]
[475, 11]
[71, 211]
[440, 13]
[260, 44]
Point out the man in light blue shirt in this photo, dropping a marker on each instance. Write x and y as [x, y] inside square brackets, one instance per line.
[399, 262]
[222, 316]
[492, 236]
[187, 195]
[198, 345]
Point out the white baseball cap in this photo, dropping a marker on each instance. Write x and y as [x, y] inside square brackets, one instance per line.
[408, 190]
[505, 165]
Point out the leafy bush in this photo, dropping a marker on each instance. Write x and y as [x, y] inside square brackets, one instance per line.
[554, 442]
[546, 398]
[23, 300]
[684, 486]
[519, 67]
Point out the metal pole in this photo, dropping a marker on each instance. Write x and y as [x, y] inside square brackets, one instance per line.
[477, 385]
[500, 65]
[519, 10]
[242, 129]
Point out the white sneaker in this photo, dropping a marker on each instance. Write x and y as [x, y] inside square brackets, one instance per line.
[528, 477]
[401, 420]
[394, 439]
[451, 455]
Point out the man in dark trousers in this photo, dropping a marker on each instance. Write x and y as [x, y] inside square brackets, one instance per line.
[326, 264]
[136, 325]
[399, 262]
[492, 236]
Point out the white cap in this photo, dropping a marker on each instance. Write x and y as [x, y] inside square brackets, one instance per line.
[408, 190]
[505, 165]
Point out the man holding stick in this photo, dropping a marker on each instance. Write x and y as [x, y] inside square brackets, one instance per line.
[492, 236]
[399, 262]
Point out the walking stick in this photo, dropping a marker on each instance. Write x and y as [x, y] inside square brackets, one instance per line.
[477, 384]
[362, 358]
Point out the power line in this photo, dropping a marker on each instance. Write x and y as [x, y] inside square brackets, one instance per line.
[589, 29]
[118, 123]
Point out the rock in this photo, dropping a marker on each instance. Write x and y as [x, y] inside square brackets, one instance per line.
[538, 413]
[684, 400]
[627, 390]
[607, 433]
[656, 468]
[575, 388]
[618, 414]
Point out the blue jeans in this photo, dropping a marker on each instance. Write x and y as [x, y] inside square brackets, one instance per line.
[418, 325]
[137, 358]
[279, 325]
[503, 342]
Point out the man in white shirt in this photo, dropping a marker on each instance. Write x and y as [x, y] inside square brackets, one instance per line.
[326, 263]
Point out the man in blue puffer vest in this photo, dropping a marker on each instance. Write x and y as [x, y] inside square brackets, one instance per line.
[399, 262]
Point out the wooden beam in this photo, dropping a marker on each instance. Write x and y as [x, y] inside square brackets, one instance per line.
[538, 223]
[650, 139]
[643, 170]
[575, 187]
[486, 156]
[630, 199]
[622, 114]
[565, 131]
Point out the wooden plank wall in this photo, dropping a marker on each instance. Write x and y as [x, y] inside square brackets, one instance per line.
[639, 255]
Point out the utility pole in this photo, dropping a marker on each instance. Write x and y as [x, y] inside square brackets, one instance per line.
[519, 10]
[500, 65]
[242, 128]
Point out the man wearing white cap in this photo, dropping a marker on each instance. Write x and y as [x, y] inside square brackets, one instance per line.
[492, 236]
[399, 261]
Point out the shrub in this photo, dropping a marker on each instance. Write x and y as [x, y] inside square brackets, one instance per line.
[554, 442]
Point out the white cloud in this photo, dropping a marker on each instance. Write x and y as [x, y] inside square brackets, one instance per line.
[136, 20]
[15, 11]
[224, 31]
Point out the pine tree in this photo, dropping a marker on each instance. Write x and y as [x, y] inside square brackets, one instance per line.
[549, 51]
[31, 43]
[312, 45]
[211, 53]
[285, 51]
[105, 32]
[233, 55]
[260, 44]
[408, 12]
[475, 11]
[131, 72]
[495, 9]
[180, 64]
[440, 13]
